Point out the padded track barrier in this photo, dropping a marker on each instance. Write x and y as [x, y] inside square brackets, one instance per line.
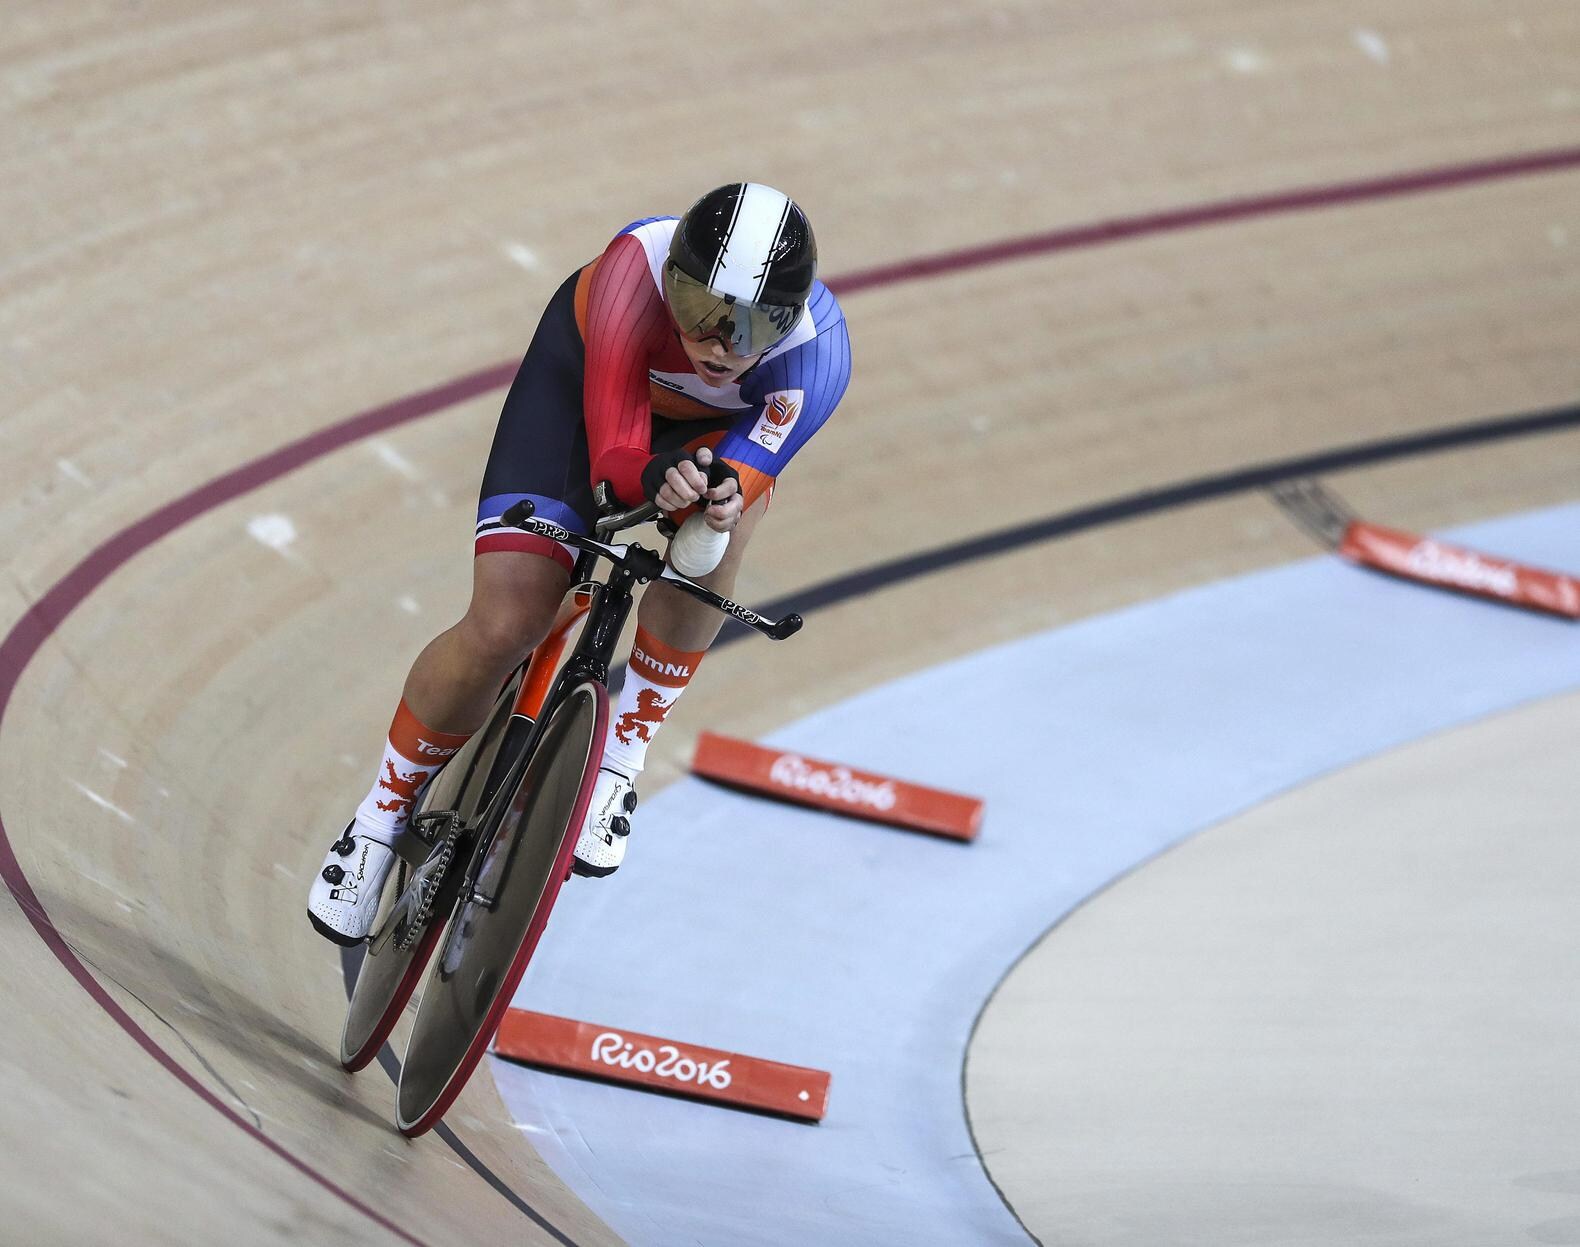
[1432, 562]
[832, 786]
[686, 1069]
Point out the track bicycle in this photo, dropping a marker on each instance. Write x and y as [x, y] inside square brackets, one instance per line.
[489, 843]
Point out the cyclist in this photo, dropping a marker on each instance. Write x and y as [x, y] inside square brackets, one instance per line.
[686, 365]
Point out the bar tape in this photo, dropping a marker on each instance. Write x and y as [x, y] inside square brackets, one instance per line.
[686, 1069]
[832, 786]
[1433, 562]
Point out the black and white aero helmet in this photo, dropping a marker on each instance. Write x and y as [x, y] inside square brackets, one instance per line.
[740, 267]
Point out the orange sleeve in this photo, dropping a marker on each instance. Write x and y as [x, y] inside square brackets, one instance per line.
[754, 484]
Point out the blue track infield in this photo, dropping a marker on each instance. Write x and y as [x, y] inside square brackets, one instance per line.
[746, 925]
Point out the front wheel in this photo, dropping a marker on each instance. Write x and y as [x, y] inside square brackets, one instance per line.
[496, 927]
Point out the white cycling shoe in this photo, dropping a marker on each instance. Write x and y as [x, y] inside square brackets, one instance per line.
[344, 898]
[601, 846]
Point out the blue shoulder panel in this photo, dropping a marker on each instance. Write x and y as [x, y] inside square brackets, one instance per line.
[794, 393]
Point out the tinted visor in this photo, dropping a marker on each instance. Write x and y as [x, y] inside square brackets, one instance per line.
[701, 313]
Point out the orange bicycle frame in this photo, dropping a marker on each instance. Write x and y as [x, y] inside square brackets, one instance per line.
[545, 659]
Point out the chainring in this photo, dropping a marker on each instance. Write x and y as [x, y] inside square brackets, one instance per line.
[413, 907]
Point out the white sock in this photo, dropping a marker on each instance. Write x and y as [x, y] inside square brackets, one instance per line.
[654, 680]
[383, 813]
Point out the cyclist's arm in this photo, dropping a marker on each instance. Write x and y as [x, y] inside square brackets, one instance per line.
[626, 325]
[792, 395]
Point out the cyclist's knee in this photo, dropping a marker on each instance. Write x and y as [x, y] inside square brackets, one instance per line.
[514, 601]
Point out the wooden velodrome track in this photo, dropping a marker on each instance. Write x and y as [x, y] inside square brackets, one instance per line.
[229, 227]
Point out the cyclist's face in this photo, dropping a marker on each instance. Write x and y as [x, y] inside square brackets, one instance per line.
[714, 362]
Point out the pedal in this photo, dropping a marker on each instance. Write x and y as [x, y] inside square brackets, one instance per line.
[432, 826]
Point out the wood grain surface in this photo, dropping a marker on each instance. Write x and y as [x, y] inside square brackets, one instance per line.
[229, 226]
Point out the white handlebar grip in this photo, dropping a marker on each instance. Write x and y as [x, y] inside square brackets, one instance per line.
[696, 549]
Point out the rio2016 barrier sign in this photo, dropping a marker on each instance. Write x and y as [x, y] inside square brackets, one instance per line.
[687, 1069]
[793, 777]
[1432, 562]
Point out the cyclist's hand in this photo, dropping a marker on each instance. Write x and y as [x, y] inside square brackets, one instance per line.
[725, 502]
[677, 480]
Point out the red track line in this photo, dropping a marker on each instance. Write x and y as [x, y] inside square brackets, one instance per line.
[45, 616]
[25, 897]
[1300, 200]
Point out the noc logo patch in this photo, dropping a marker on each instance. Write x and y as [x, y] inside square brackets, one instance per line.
[781, 409]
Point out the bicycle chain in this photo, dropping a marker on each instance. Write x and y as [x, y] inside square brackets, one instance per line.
[430, 883]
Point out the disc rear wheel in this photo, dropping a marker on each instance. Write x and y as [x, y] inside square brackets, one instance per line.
[496, 926]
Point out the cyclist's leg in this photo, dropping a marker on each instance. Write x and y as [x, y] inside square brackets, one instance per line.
[673, 633]
[455, 679]
[539, 452]
[447, 696]
[680, 620]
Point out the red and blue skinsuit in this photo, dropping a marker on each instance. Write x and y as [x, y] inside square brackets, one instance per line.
[606, 384]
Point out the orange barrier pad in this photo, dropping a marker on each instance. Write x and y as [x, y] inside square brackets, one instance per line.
[831, 786]
[1453, 567]
[663, 1064]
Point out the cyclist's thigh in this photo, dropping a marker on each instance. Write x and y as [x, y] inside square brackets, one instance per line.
[515, 596]
[540, 445]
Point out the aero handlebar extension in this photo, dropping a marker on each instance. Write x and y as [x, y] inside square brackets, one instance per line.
[643, 564]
